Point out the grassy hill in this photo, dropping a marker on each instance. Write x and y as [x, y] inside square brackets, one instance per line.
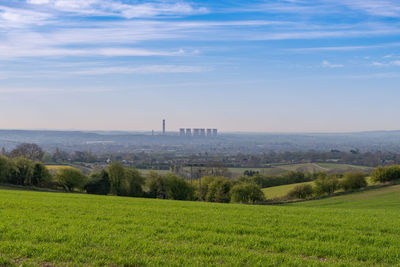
[50, 229]
[385, 198]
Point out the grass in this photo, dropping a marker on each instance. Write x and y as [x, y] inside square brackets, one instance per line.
[381, 198]
[280, 191]
[40, 228]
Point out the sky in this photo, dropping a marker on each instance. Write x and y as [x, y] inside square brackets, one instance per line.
[254, 66]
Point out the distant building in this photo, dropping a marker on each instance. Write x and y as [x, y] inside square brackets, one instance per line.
[209, 132]
[202, 132]
[215, 132]
[196, 132]
[163, 126]
[182, 132]
[188, 132]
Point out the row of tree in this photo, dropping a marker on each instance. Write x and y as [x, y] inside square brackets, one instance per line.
[120, 181]
[328, 184]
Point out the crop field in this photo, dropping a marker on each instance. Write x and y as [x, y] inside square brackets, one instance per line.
[280, 191]
[59, 229]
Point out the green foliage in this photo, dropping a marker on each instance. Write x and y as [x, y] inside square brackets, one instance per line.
[134, 182]
[22, 171]
[301, 191]
[292, 177]
[41, 175]
[169, 186]
[203, 186]
[386, 174]
[157, 185]
[246, 193]
[353, 180]
[326, 184]
[99, 183]
[219, 190]
[116, 174]
[4, 169]
[71, 178]
[178, 188]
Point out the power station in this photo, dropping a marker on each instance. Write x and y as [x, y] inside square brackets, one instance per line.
[198, 132]
[195, 132]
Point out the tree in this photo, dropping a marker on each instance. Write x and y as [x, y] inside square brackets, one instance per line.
[353, 180]
[218, 190]
[178, 188]
[99, 183]
[41, 175]
[134, 181]
[71, 178]
[157, 185]
[203, 186]
[246, 193]
[116, 174]
[326, 184]
[29, 151]
[301, 191]
[22, 172]
[386, 174]
[4, 169]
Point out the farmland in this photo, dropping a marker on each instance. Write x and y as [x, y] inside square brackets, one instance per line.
[280, 191]
[79, 229]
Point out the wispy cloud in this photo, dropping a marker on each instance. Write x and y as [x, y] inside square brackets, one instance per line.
[119, 8]
[327, 64]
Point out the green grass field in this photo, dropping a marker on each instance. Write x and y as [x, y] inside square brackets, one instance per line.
[280, 191]
[58, 229]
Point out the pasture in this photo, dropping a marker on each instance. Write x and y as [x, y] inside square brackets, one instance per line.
[61, 229]
[280, 191]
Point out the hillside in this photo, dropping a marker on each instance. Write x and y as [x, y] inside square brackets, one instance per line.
[385, 198]
[77, 229]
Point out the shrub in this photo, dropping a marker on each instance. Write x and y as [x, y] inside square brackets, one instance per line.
[22, 172]
[326, 184]
[353, 180]
[71, 178]
[99, 183]
[178, 188]
[246, 193]
[218, 190]
[386, 174]
[4, 169]
[134, 182]
[302, 191]
[157, 185]
[203, 186]
[41, 175]
[116, 174]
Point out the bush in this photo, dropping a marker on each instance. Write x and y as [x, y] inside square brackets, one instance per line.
[203, 186]
[71, 178]
[326, 184]
[98, 184]
[4, 169]
[134, 182]
[157, 185]
[301, 191]
[41, 175]
[246, 193]
[386, 174]
[22, 171]
[116, 174]
[178, 188]
[218, 190]
[353, 180]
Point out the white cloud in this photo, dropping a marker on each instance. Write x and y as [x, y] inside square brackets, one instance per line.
[327, 64]
[119, 8]
[396, 62]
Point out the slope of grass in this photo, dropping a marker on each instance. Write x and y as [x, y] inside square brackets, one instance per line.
[381, 198]
[280, 191]
[83, 230]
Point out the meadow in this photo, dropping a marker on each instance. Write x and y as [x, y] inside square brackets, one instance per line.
[280, 191]
[67, 229]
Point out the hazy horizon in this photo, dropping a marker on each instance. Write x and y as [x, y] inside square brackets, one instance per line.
[243, 66]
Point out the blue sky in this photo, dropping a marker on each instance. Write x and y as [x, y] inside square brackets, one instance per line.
[264, 66]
